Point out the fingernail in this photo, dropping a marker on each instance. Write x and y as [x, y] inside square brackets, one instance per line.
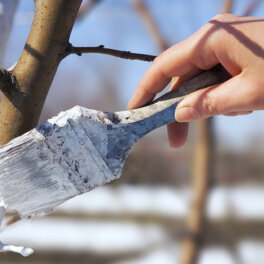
[186, 114]
[174, 83]
[238, 113]
[244, 112]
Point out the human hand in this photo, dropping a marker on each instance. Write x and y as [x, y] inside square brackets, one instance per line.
[235, 42]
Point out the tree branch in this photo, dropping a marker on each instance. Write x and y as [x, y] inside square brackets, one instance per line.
[227, 6]
[86, 8]
[202, 175]
[251, 7]
[112, 52]
[149, 20]
[8, 86]
[37, 65]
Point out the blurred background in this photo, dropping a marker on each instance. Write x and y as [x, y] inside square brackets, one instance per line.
[202, 203]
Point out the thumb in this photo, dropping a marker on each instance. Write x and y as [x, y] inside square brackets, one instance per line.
[235, 95]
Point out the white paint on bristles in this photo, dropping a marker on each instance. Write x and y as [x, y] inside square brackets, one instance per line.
[51, 164]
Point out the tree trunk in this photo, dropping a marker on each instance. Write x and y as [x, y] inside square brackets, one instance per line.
[36, 67]
[202, 170]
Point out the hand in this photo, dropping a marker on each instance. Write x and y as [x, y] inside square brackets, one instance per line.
[234, 41]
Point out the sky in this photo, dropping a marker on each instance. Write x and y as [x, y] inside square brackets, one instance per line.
[115, 24]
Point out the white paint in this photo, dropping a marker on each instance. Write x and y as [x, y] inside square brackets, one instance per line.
[24, 251]
[2, 211]
[45, 164]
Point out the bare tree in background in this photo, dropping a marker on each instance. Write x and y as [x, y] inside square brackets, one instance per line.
[26, 87]
[203, 157]
[202, 174]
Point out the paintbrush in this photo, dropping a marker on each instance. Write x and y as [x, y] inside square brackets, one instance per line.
[80, 149]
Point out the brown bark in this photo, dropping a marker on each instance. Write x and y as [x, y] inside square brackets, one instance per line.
[151, 24]
[251, 7]
[202, 170]
[37, 65]
[227, 6]
[86, 7]
[112, 52]
[202, 173]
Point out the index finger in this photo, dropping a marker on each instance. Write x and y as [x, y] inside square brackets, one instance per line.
[184, 58]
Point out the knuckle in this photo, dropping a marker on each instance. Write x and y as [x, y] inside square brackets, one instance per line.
[156, 60]
[224, 17]
[258, 83]
[158, 64]
[209, 105]
[219, 17]
[255, 100]
[255, 96]
[149, 91]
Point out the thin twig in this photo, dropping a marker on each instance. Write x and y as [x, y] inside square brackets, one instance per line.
[85, 8]
[251, 7]
[112, 52]
[149, 20]
[227, 6]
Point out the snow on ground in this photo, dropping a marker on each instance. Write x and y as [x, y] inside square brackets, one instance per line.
[165, 255]
[165, 201]
[106, 238]
[252, 252]
[126, 236]
[80, 235]
[245, 202]
[216, 256]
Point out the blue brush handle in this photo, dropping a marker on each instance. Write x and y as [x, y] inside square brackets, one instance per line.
[161, 111]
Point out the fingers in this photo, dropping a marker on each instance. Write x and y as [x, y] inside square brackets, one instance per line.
[186, 58]
[153, 82]
[176, 81]
[177, 134]
[236, 95]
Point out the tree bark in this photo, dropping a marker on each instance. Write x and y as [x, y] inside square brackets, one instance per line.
[37, 65]
[202, 170]
[149, 20]
[201, 176]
